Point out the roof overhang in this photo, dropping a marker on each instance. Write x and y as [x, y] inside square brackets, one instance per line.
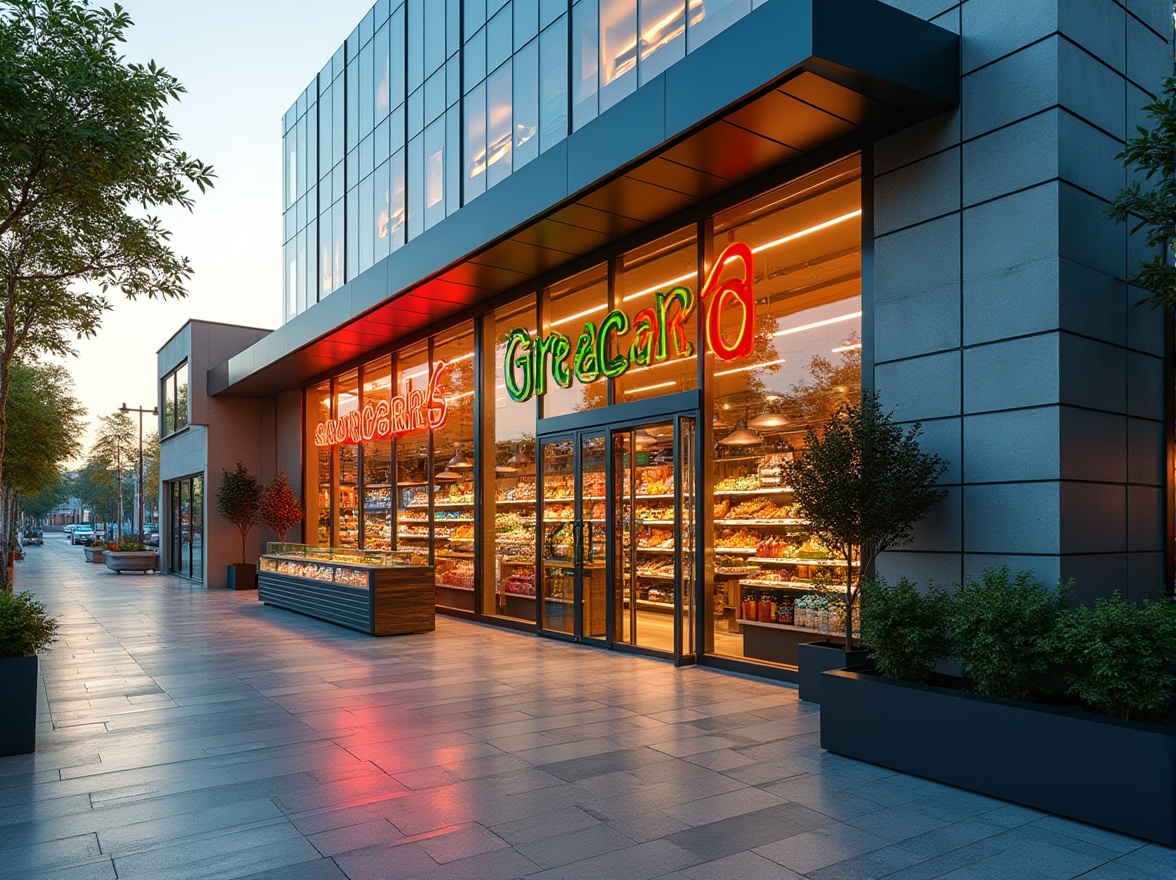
[786, 80]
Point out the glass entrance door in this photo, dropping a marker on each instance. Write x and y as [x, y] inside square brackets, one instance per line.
[616, 536]
[653, 562]
[573, 535]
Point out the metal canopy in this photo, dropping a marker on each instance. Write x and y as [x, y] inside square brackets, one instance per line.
[787, 79]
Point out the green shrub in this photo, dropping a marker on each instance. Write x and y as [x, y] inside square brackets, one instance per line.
[1003, 631]
[25, 628]
[905, 630]
[1119, 656]
[129, 545]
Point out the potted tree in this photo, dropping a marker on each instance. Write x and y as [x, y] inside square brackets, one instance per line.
[280, 508]
[238, 500]
[862, 484]
[25, 630]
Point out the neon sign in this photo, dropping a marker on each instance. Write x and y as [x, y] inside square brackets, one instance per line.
[659, 333]
[418, 409]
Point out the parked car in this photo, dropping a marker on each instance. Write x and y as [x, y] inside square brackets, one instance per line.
[152, 537]
[33, 535]
[82, 535]
[68, 528]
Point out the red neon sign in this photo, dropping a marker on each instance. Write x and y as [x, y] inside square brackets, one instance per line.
[418, 409]
[736, 290]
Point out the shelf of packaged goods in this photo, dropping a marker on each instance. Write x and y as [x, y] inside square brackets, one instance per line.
[449, 505]
[766, 490]
[723, 571]
[656, 549]
[529, 502]
[453, 555]
[796, 560]
[568, 563]
[412, 484]
[736, 551]
[653, 522]
[641, 497]
[442, 520]
[412, 535]
[377, 486]
[651, 576]
[442, 586]
[517, 563]
[760, 523]
[776, 585]
[772, 625]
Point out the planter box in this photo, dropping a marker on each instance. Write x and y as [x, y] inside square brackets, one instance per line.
[18, 705]
[243, 576]
[94, 554]
[816, 657]
[1117, 774]
[132, 560]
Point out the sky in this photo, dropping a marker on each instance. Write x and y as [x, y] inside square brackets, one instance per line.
[243, 64]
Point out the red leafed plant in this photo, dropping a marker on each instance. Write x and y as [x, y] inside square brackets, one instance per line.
[280, 509]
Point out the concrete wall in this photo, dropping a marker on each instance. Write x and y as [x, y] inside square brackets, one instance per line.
[220, 433]
[1002, 320]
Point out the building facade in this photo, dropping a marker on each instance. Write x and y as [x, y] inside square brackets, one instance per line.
[565, 283]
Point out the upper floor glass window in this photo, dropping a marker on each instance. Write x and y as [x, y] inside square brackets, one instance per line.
[175, 400]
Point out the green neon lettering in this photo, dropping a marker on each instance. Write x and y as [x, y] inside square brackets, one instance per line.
[673, 326]
[587, 364]
[616, 322]
[561, 370]
[645, 338]
[524, 388]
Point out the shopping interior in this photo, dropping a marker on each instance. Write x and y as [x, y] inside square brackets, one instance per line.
[604, 458]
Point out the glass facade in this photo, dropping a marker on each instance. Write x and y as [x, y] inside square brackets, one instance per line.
[186, 523]
[429, 103]
[539, 469]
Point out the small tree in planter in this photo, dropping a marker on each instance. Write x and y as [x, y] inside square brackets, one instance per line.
[25, 630]
[280, 508]
[238, 500]
[862, 484]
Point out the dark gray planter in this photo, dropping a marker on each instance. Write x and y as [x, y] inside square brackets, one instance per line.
[18, 705]
[817, 657]
[1116, 774]
[243, 576]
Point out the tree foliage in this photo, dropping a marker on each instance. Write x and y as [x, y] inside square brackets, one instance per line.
[239, 500]
[86, 153]
[25, 628]
[905, 628]
[280, 508]
[1148, 204]
[862, 484]
[45, 421]
[109, 465]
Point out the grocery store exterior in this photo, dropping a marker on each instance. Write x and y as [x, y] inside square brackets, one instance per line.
[566, 282]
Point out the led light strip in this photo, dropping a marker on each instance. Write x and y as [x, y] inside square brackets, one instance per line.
[752, 367]
[816, 324]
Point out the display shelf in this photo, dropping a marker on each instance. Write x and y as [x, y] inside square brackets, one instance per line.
[782, 521]
[641, 549]
[736, 551]
[798, 560]
[776, 585]
[788, 626]
[519, 502]
[767, 490]
[659, 606]
[453, 555]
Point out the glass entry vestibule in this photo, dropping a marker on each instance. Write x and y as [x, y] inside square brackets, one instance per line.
[617, 536]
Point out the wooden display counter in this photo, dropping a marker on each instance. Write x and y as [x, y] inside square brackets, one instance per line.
[377, 592]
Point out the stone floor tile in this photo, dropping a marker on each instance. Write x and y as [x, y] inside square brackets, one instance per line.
[561, 849]
[640, 862]
[353, 837]
[462, 843]
[813, 850]
[319, 869]
[703, 811]
[741, 866]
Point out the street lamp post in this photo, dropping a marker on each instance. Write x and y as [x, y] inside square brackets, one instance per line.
[124, 409]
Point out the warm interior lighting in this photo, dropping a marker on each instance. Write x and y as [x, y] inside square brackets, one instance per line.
[644, 388]
[851, 346]
[825, 323]
[644, 438]
[741, 436]
[448, 476]
[582, 314]
[795, 235]
[459, 462]
[751, 367]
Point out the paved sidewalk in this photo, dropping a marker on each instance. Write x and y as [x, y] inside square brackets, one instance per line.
[192, 733]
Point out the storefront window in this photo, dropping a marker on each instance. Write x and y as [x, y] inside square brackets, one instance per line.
[805, 362]
[453, 471]
[567, 306]
[510, 585]
[646, 280]
[413, 498]
[318, 466]
[378, 510]
[347, 466]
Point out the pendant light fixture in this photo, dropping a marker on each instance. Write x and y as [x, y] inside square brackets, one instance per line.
[459, 462]
[518, 461]
[718, 424]
[741, 436]
[771, 419]
[644, 438]
[447, 476]
[508, 468]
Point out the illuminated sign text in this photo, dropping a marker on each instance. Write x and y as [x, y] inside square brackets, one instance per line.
[418, 409]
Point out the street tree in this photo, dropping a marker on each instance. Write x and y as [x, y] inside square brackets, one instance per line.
[862, 484]
[1148, 203]
[86, 154]
[110, 462]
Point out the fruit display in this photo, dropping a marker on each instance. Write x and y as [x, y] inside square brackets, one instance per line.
[520, 584]
[459, 574]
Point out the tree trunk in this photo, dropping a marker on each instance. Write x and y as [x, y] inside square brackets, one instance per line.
[849, 602]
